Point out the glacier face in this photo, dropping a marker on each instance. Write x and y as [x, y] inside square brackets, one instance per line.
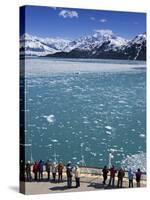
[101, 44]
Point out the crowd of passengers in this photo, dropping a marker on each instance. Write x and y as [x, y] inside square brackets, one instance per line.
[54, 170]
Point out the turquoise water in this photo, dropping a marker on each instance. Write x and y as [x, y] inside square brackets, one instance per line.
[84, 108]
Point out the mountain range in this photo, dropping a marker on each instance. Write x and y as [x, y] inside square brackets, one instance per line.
[103, 44]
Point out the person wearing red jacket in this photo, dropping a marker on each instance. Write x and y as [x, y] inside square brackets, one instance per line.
[35, 170]
[112, 176]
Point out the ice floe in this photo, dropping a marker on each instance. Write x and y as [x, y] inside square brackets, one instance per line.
[108, 127]
[108, 132]
[135, 161]
[50, 118]
[54, 140]
[142, 135]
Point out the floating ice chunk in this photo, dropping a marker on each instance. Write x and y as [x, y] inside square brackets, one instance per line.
[115, 146]
[135, 161]
[81, 145]
[142, 135]
[101, 104]
[108, 127]
[86, 122]
[84, 117]
[87, 149]
[74, 158]
[121, 102]
[69, 89]
[102, 142]
[113, 150]
[54, 140]
[108, 132]
[93, 138]
[93, 154]
[50, 118]
[44, 128]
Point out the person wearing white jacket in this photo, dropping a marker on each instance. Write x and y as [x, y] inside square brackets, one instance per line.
[77, 175]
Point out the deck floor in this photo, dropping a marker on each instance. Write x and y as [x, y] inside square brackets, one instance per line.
[87, 183]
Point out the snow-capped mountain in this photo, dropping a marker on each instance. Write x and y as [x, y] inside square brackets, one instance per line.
[36, 46]
[102, 44]
[136, 48]
[97, 40]
[106, 45]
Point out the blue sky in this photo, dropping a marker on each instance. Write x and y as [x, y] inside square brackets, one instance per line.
[73, 23]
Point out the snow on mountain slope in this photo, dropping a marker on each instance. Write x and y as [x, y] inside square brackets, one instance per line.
[96, 40]
[36, 46]
[136, 48]
[102, 44]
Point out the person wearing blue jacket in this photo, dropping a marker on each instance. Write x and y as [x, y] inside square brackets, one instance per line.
[130, 177]
[41, 165]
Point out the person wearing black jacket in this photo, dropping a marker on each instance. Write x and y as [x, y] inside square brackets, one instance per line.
[121, 174]
[28, 171]
[105, 172]
[69, 174]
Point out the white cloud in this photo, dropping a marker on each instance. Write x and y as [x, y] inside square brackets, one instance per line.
[104, 31]
[92, 18]
[68, 13]
[103, 20]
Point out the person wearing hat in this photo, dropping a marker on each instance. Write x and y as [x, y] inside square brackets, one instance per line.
[69, 174]
[77, 175]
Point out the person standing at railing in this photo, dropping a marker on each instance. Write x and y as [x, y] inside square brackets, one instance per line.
[138, 177]
[60, 171]
[69, 174]
[105, 173]
[77, 175]
[121, 174]
[40, 168]
[130, 177]
[35, 170]
[112, 176]
[54, 170]
[28, 171]
[48, 165]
